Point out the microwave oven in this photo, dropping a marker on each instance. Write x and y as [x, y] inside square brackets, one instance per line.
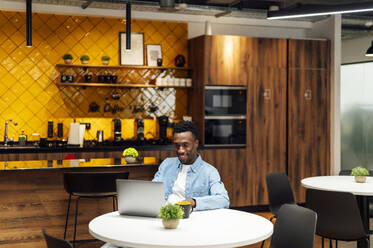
[225, 100]
[225, 130]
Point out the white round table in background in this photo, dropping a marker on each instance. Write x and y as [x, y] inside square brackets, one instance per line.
[340, 184]
[213, 228]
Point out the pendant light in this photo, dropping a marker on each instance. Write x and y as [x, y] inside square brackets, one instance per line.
[128, 26]
[28, 23]
[369, 52]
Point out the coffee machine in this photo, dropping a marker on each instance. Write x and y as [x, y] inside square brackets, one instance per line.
[140, 131]
[117, 129]
[163, 123]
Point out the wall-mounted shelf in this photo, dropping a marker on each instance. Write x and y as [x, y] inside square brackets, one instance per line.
[119, 85]
[126, 76]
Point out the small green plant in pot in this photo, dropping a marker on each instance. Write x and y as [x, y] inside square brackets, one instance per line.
[171, 215]
[130, 155]
[360, 174]
[105, 60]
[84, 59]
[68, 58]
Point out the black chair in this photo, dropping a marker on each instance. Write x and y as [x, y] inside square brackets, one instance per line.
[279, 193]
[294, 228]
[90, 185]
[338, 216]
[53, 242]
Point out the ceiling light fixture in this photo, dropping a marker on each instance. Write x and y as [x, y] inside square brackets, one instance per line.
[128, 26]
[369, 52]
[313, 10]
[28, 23]
[86, 4]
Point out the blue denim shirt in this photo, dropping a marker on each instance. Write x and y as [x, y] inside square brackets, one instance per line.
[203, 183]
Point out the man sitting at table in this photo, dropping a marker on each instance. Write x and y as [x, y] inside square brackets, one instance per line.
[187, 177]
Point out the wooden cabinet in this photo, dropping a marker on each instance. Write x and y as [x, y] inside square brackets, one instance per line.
[308, 112]
[266, 128]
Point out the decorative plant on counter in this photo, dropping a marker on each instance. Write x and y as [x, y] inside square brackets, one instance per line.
[105, 60]
[130, 155]
[171, 215]
[67, 57]
[360, 174]
[84, 59]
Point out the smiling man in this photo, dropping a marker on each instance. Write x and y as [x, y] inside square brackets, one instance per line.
[187, 176]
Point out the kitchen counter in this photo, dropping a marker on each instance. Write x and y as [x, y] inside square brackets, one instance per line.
[76, 164]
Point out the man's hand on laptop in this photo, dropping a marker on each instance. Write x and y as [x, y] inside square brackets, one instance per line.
[191, 200]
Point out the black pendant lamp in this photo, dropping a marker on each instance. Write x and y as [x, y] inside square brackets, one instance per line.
[128, 26]
[369, 52]
[28, 23]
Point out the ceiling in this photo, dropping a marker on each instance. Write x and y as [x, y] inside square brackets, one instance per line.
[353, 25]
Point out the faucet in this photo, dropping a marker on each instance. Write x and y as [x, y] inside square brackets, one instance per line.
[6, 139]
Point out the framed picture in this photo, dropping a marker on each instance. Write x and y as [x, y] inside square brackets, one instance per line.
[154, 52]
[135, 56]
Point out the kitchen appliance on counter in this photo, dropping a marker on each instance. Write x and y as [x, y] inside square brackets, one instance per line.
[117, 129]
[225, 115]
[76, 134]
[163, 124]
[140, 131]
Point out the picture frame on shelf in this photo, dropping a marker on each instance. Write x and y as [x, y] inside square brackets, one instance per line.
[134, 56]
[154, 55]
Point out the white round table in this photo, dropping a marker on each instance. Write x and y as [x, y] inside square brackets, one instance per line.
[340, 183]
[213, 228]
[345, 184]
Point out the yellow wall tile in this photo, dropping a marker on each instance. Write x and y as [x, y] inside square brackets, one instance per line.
[28, 76]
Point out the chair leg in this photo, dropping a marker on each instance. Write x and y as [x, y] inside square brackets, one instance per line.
[67, 216]
[262, 245]
[330, 243]
[76, 219]
[113, 203]
[322, 242]
[336, 243]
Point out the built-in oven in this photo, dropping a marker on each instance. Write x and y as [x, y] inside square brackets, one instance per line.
[225, 100]
[225, 130]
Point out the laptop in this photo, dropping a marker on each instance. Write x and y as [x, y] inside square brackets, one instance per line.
[140, 198]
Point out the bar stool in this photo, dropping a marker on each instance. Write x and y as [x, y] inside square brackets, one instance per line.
[90, 185]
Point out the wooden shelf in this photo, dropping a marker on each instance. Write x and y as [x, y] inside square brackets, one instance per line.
[120, 85]
[125, 67]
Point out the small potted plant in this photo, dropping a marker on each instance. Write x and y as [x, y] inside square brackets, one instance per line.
[105, 60]
[84, 59]
[171, 215]
[68, 58]
[360, 174]
[130, 155]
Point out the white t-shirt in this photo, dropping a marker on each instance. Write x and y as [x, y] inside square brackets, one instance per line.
[178, 190]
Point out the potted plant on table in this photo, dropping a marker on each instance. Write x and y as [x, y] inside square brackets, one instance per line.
[130, 155]
[171, 215]
[84, 59]
[105, 60]
[360, 174]
[67, 58]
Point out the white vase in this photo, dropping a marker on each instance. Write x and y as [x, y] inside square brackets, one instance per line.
[360, 179]
[105, 62]
[67, 61]
[130, 160]
[171, 223]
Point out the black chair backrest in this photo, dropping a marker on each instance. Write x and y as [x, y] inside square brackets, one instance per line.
[279, 191]
[92, 182]
[294, 228]
[338, 214]
[348, 173]
[53, 242]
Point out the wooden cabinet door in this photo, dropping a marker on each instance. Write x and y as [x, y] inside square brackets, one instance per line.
[308, 126]
[227, 59]
[266, 129]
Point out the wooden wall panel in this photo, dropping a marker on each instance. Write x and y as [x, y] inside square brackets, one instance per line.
[266, 125]
[309, 136]
[232, 166]
[309, 54]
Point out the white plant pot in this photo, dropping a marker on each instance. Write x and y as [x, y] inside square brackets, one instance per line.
[130, 160]
[360, 179]
[68, 61]
[170, 224]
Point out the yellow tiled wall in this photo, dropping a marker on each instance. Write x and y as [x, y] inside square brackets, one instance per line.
[28, 76]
